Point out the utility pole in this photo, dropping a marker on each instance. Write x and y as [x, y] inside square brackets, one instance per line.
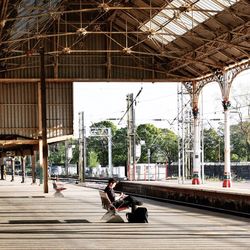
[82, 148]
[66, 158]
[110, 152]
[184, 134]
[131, 138]
[148, 154]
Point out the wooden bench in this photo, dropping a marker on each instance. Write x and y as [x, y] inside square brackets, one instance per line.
[111, 215]
[59, 187]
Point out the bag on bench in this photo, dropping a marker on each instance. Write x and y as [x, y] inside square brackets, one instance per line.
[140, 215]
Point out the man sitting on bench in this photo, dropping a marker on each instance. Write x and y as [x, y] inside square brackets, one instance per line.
[122, 200]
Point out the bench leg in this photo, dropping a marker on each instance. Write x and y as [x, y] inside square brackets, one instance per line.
[112, 217]
[58, 193]
[107, 215]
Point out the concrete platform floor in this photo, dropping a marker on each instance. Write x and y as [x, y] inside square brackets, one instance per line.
[31, 219]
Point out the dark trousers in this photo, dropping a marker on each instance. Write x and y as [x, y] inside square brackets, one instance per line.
[128, 201]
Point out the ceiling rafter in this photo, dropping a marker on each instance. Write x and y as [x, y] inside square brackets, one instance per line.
[205, 49]
[195, 49]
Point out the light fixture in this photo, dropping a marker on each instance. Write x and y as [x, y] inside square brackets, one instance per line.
[66, 50]
[127, 51]
[104, 6]
[151, 33]
[81, 32]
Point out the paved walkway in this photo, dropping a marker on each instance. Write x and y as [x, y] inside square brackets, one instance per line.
[31, 219]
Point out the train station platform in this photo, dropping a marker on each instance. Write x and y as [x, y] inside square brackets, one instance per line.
[31, 219]
[210, 195]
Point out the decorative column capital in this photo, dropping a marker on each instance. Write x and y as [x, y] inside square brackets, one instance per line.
[195, 111]
[226, 104]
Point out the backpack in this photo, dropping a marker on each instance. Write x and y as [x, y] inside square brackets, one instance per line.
[140, 215]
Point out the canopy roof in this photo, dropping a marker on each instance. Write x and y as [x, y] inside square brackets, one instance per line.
[139, 40]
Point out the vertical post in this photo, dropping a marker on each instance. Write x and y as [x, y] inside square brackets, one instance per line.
[196, 156]
[23, 161]
[84, 153]
[178, 128]
[2, 171]
[13, 168]
[40, 168]
[43, 122]
[133, 140]
[110, 152]
[129, 133]
[66, 158]
[2, 168]
[166, 169]
[227, 167]
[82, 148]
[33, 166]
[202, 143]
[225, 81]
[182, 138]
[148, 164]
[156, 172]
[202, 158]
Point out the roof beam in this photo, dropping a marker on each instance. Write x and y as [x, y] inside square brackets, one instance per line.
[206, 49]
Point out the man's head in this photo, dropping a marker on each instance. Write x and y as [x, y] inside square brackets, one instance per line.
[112, 182]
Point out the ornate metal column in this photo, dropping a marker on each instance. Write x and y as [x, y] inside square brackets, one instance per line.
[194, 89]
[225, 80]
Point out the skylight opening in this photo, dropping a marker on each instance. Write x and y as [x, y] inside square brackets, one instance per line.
[175, 29]
[178, 23]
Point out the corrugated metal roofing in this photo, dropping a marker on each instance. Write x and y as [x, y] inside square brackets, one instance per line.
[122, 40]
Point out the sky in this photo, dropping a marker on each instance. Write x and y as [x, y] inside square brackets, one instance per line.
[102, 101]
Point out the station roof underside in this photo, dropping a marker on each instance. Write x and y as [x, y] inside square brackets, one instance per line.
[125, 40]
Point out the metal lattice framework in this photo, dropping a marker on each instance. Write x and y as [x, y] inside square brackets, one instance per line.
[130, 40]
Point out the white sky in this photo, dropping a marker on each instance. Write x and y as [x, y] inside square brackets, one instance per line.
[101, 101]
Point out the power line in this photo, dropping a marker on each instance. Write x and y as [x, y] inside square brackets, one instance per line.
[130, 105]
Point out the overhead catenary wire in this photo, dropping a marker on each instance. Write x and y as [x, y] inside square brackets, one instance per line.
[130, 105]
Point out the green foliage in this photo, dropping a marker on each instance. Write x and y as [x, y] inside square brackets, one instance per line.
[93, 159]
[120, 144]
[213, 146]
[170, 145]
[240, 141]
[99, 144]
[57, 153]
[161, 142]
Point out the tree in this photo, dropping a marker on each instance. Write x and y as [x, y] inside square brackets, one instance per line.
[169, 145]
[240, 141]
[213, 146]
[99, 144]
[57, 153]
[119, 146]
[161, 142]
[240, 133]
[93, 159]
